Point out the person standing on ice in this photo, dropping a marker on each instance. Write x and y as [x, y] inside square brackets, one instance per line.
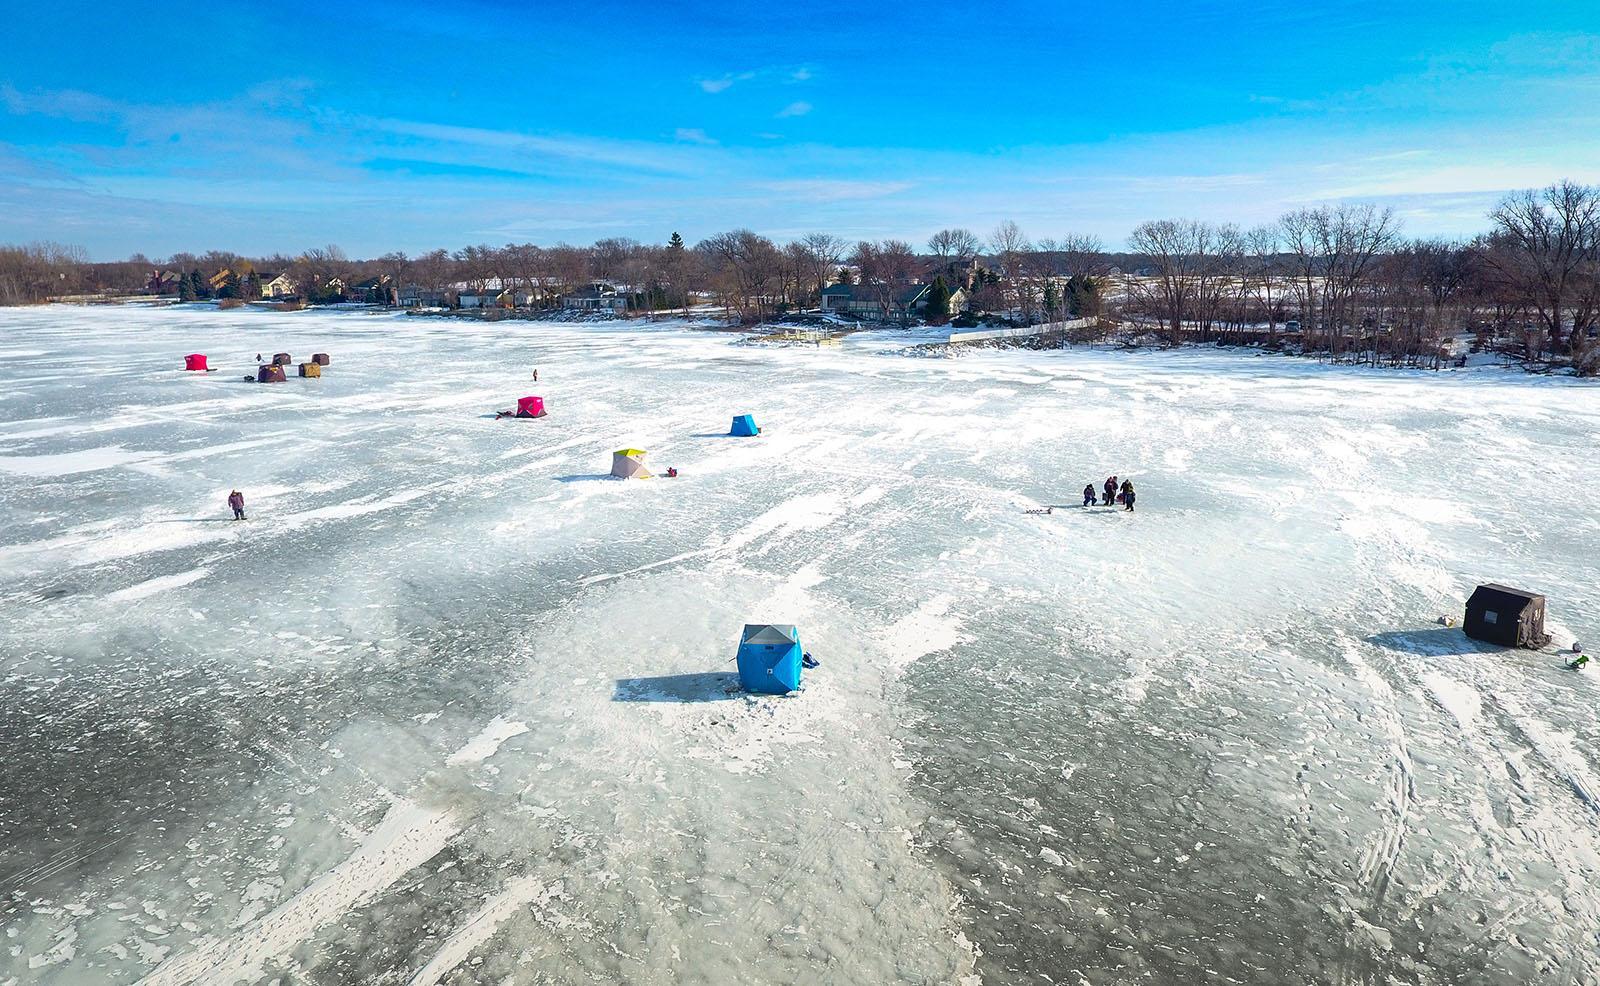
[1111, 490]
[236, 501]
[1088, 495]
[1127, 494]
[536, 374]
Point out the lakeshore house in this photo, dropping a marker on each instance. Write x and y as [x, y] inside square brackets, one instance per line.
[868, 300]
[374, 289]
[596, 296]
[275, 285]
[163, 282]
[417, 296]
[497, 292]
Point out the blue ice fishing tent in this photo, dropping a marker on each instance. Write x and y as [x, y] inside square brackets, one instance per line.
[769, 658]
[744, 426]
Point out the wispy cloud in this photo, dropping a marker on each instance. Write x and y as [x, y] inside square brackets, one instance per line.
[835, 190]
[65, 104]
[693, 135]
[724, 82]
[797, 108]
[635, 155]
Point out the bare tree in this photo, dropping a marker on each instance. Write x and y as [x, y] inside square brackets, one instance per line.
[1174, 249]
[397, 266]
[744, 268]
[35, 271]
[1262, 274]
[1334, 248]
[824, 252]
[953, 252]
[1549, 251]
[1009, 245]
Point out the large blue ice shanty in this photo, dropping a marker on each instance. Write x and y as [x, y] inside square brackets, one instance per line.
[769, 658]
[744, 426]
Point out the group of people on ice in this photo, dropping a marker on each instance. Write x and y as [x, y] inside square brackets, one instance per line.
[1113, 493]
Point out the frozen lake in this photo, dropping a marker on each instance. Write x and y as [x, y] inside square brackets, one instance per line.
[453, 708]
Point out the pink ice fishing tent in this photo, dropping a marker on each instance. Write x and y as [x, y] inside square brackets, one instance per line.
[530, 407]
[195, 361]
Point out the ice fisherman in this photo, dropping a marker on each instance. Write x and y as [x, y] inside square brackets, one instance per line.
[1127, 494]
[672, 472]
[236, 501]
[1088, 495]
[536, 374]
[1111, 490]
[1579, 659]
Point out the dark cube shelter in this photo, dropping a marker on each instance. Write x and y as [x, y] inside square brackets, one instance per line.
[1499, 614]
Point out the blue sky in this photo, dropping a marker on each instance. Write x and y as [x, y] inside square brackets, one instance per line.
[413, 126]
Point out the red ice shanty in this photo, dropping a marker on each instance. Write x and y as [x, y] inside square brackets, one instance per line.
[270, 373]
[530, 407]
[195, 361]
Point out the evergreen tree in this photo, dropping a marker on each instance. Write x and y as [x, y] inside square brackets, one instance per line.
[1052, 298]
[186, 288]
[675, 272]
[938, 300]
[1083, 296]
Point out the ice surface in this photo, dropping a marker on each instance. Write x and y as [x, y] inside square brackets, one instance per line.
[453, 707]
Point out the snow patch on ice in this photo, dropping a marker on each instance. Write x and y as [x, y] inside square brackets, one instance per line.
[1460, 700]
[484, 745]
[928, 629]
[481, 926]
[71, 463]
[150, 587]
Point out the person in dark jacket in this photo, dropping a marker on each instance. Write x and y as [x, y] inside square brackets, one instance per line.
[236, 501]
[1111, 490]
[1088, 495]
[1127, 494]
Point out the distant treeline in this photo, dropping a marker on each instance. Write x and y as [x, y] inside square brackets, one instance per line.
[1338, 279]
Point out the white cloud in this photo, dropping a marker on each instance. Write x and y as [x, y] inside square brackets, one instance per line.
[800, 75]
[693, 135]
[797, 108]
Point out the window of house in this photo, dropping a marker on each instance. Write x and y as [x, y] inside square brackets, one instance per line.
[1490, 616]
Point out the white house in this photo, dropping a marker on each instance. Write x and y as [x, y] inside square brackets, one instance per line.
[276, 286]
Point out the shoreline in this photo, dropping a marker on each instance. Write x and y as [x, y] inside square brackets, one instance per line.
[915, 341]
